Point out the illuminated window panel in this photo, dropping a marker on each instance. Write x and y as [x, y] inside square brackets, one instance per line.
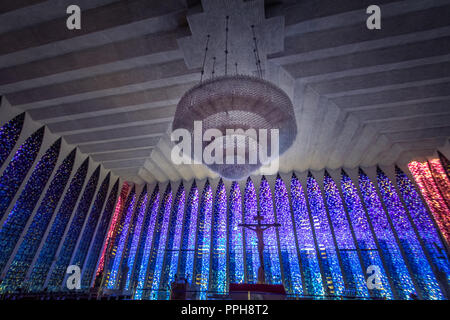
[96, 247]
[51, 243]
[30, 243]
[271, 256]
[129, 250]
[159, 245]
[441, 179]
[305, 238]
[136, 234]
[145, 245]
[120, 240]
[9, 133]
[327, 252]
[17, 218]
[18, 168]
[425, 227]
[289, 255]
[70, 240]
[391, 252]
[251, 241]
[445, 163]
[218, 280]
[88, 233]
[202, 258]
[431, 194]
[411, 245]
[173, 244]
[349, 256]
[363, 233]
[186, 267]
[112, 231]
[236, 242]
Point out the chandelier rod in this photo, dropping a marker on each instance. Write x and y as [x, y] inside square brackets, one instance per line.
[213, 68]
[204, 59]
[226, 45]
[256, 51]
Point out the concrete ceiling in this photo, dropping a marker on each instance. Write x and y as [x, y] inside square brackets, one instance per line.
[361, 97]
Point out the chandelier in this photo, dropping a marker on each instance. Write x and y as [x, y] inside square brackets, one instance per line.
[237, 106]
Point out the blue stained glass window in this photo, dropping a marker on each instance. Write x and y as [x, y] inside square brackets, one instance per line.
[251, 241]
[424, 224]
[305, 238]
[48, 251]
[289, 255]
[16, 220]
[202, 258]
[364, 237]
[18, 168]
[327, 252]
[271, 257]
[145, 245]
[218, 280]
[29, 246]
[94, 253]
[9, 133]
[70, 240]
[120, 240]
[408, 240]
[235, 232]
[349, 257]
[186, 267]
[388, 245]
[88, 233]
[159, 242]
[136, 234]
[173, 244]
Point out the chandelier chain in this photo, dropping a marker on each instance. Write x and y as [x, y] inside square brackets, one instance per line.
[226, 45]
[204, 59]
[256, 51]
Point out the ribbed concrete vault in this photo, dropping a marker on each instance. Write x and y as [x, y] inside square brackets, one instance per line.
[361, 97]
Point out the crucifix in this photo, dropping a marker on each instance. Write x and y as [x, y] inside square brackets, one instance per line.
[259, 228]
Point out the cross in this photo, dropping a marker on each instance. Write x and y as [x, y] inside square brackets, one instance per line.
[259, 228]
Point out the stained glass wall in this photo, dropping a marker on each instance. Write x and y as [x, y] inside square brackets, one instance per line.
[30, 243]
[432, 177]
[9, 133]
[17, 218]
[17, 169]
[333, 236]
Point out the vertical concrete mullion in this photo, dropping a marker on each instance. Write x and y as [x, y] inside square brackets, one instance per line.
[242, 184]
[175, 187]
[352, 231]
[302, 179]
[79, 159]
[80, 236]
[294, 227]
[91, 282]
[271, 180]
[138, 192]
[108, 248]
[200, 185]
[161, 202]
[333, 235]
[80, 196]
